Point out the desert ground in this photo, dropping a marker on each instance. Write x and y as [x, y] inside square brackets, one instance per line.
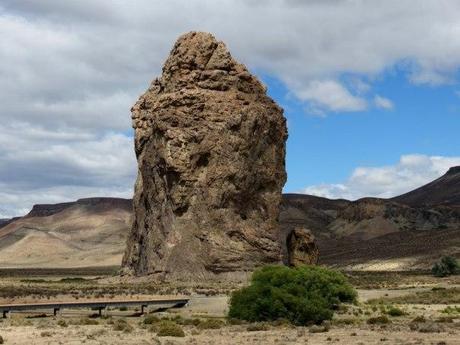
[393, 308]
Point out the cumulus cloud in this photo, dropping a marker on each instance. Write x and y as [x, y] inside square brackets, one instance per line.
[73, 52]
[71, 70]
[42, 166]
[383, 103]
[329, 95]
[412, 171]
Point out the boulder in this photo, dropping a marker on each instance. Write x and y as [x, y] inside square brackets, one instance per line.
[301, 248]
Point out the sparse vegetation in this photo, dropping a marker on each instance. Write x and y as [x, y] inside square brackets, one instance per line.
[434, 296]
[257, 327]
[301, 295]
[348, 320]
[447, 266]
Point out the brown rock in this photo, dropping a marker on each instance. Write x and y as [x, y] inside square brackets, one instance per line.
[301, 247]
[210, 146]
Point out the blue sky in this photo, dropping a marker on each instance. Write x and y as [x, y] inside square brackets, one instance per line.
[326, 148]
[369, 89]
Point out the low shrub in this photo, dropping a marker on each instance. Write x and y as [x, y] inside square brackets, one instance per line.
[235, 322]
[211, 324]
[447, 266]
[189, 322]
[88, 321]
[319, 328]
[302, 295]
[346, 321]
[451, 310]
[122, 325]
[150, 319]
[169, 329]
[445, 319]
[419, 319]
[378, 320]
[429, 327]
[74, 280]
[62, 323]
[393, 311]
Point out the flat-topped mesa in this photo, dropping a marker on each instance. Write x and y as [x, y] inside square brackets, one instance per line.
[210, 146]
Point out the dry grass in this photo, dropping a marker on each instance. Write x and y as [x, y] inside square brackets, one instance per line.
[434, 296]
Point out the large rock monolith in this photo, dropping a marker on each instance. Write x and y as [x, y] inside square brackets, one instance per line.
[210, 146]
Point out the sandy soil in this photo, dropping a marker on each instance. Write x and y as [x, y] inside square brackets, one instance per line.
[349, 326]
[104, 334]
[20, 330]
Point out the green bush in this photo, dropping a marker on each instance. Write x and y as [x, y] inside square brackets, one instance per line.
[447, 266]
[302, 295]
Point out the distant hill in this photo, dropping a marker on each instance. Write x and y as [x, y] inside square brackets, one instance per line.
[6, 221]
[443, 191]
[406, 232]
[88, 232]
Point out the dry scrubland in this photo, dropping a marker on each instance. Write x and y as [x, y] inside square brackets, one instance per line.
[393, 308]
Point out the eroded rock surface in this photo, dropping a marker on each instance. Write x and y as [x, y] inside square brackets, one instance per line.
[301, 248]
[210, 146]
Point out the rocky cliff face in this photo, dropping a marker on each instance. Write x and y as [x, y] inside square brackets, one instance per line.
[210, 146]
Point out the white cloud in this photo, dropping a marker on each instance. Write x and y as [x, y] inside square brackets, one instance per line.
[75, 52]
[70, 71]
[329, 95]
[412, 171]
[383, 103]
[42, 166]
